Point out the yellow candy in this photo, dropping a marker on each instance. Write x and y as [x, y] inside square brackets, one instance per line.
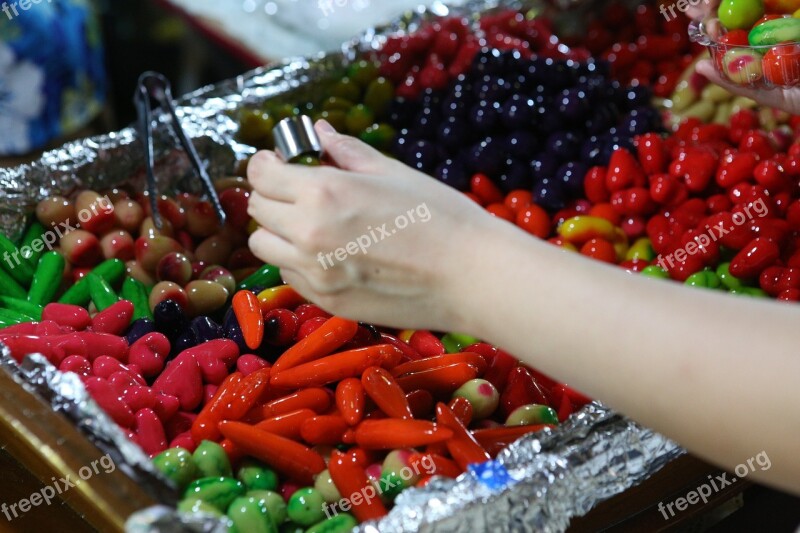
[641, 249]
[578, 230]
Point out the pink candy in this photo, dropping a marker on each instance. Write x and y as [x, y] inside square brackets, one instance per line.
[149, 432]
[69, 316]
[182, 378]
[149, 353]
[249, 363]
[114, 319]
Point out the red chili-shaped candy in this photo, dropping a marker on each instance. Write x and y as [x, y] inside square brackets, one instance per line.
[421, 403]
[204, 426]
[351, 479]
[440, 380]
[113, 319]
[149, 432]
[70, 316]
[499, 369]
[438, 361]
[288, 424]
[149, 353]
[350, 400]
[462, 409]
[522, 389]
[182, 378]
[442, 466]
[314, 398]
[754, 258]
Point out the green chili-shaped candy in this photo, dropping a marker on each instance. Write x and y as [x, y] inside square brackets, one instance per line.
[10, 287]
[22, 306]
[266, 277]
[111, 270]
[217, 491]
[100, 292]
[135, 292]
[341, 523]
[13, 261]
[47, 280]
[14, 317]
[211, 460]
[31, 245]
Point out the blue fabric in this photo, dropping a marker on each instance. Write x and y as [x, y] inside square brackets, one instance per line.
[52, 73]
[492, 474]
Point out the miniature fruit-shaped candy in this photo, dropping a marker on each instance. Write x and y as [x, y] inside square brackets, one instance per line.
[742, 65]
[775, 31]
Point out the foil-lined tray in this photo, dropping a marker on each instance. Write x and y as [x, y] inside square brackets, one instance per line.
[538, 483]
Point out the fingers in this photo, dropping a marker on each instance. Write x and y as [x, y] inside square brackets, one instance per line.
[273, 249]
[349, 153]
[276, 217]
[771, 98]
[274, 179]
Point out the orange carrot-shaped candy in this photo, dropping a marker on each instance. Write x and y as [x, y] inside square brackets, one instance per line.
[386, 393]
[462, 447]
[440, 380]
[336, 367]
[330, 336]
[391, 433]
[351, 480]
[204, 426]
[350, 400]
[248, 313]
[292, 459]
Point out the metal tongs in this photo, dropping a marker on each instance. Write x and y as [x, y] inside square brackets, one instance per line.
[154, 86]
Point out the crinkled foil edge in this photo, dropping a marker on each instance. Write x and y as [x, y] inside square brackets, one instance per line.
[537, 484]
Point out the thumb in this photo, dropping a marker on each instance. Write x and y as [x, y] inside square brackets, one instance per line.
[349, 153]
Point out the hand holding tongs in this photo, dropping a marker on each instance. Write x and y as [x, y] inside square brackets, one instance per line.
[152, 85]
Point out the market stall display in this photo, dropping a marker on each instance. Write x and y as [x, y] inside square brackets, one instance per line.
[264, 410]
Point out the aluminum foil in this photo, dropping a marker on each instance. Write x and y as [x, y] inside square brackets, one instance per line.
[537, 483]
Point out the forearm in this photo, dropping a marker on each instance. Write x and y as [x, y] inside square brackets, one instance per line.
[685, 362]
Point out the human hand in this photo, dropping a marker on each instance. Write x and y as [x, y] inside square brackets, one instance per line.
[408, 248]
[785, 99]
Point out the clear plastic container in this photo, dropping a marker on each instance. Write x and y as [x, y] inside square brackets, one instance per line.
[756, 67]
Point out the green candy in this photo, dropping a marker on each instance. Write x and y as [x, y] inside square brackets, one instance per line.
[47, 280]
[379, 136]
[306, 507]
[249, 515]
[775, 31]
[216, 491]
[359, 118]
[341, 523]
[641, 249]
[195, 506]
[363, 72]
[655, 271]
[728, 280]
[276, 506]
[325, 485]
[10, 287]
[750, 291]
[266, 277]
[177, 465]
[15, 263]
[335, 117]
[337, 103]
[14, 317]
[211, 460]
[347, 89]
[532, 414]
[482, 396]
[33, 233]
[740, 14]
[704, 278]
[255, 127]
[135, 292]
[22, 306]
[291, 527]
[285, 111]
[111, 270]
[101, 292]
[379, 96]
[256, 476]
[396, 474]
[455, 342]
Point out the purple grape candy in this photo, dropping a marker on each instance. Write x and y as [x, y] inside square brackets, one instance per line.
[451, 172]
[549, 194]
[543, 166]
[571, 176]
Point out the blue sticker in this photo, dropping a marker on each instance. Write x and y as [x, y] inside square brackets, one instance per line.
[492, 474]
